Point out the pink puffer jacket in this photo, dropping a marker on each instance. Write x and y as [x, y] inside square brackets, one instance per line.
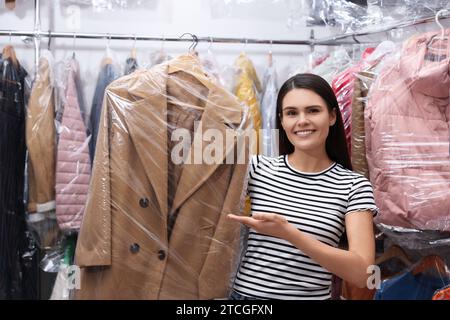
[407, 122]
[73, 163]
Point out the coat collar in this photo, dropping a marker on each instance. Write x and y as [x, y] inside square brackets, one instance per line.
[147, 124]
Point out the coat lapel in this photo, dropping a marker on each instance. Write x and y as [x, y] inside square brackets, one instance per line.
[147, 124]
[222, 116]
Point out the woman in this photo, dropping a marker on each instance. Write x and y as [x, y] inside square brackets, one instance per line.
[303, 200]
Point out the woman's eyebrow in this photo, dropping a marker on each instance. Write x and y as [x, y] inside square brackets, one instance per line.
[307, 107]
[314, 106]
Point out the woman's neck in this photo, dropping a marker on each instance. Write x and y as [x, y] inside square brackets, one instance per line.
[309, 161]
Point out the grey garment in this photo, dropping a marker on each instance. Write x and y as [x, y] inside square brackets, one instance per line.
[131, 65]
[108, 74]
[268, 112]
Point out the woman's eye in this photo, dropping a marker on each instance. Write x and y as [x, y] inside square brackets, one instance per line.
[291, 113]
[314, 110]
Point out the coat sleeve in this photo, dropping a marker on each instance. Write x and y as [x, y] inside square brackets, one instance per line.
[94, 240]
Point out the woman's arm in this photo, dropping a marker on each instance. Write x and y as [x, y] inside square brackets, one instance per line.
[350, 265]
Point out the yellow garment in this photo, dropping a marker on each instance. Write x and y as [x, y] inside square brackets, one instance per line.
[247, 86]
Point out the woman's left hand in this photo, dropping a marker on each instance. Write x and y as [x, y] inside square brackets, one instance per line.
[266, 223]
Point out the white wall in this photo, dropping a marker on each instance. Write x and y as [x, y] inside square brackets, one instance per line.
[261, 19]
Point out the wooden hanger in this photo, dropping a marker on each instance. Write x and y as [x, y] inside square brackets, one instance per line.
[394, 252]
[10, 53]
[106, 61]
[431, 262]
[133, 53]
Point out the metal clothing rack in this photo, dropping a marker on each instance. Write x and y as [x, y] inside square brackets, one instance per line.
[349, 38]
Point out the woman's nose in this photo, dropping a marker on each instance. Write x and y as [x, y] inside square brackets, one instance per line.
[302, 118]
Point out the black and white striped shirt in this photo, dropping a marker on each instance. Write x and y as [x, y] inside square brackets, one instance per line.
[316, 203]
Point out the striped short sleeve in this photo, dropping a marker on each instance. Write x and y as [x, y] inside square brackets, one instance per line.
[254, 160]
[361, 196]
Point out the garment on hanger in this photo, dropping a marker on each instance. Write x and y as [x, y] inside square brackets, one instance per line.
[108, 73]
[269, 112]
[131, 65]
[342, 86]
[18, 256]
[248, 87]
[362, 84]
[73, 162]
[361, 88]
[407, 121]
[41, 139]
[41, 143]
[156, 212]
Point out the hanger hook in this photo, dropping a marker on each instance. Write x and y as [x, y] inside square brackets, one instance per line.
[134, 42]
[49, 39]
[245, 44]
[270, 46]
[73, 45]
[194, 40]
[10, 33]
[195, 43]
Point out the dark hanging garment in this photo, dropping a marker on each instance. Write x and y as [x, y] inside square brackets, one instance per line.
[131, 65]
[18, 254]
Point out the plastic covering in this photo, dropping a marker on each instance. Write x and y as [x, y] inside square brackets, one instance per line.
[171, 163]
[407, 136]
[41, 143]
[364, 78]
[18, 251]
[354, 16]
[268, 111]
[73, 164]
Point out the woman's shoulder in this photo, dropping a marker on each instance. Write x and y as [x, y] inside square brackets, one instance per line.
[342, 171]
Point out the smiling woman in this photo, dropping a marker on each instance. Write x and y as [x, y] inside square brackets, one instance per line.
[303, 201]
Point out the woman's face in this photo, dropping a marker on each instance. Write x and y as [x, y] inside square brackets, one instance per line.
[306, 120]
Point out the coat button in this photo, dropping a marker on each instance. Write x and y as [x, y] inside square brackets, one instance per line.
[143, 202]
[161, 254]
[134, 248]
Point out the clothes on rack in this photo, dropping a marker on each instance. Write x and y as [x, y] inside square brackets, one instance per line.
[108, 74]
[41, 139]
[18, 254]
[407, 121]
[161, 222]
[342, 86]
[131, 65]
[248, 87]
[73, 164]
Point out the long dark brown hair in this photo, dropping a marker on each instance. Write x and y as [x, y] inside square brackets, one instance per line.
[335, 145]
